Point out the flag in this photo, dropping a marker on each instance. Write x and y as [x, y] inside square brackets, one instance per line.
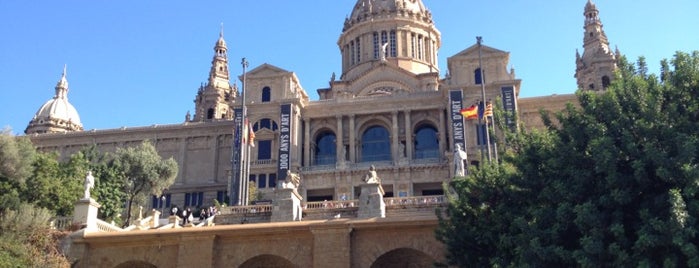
[251, 136]
[470, 113]
[244, 132]
[488, 109]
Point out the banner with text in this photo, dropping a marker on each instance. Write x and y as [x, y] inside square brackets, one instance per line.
[457, 121]
[284, 157]
[509, 104]
[234, 183]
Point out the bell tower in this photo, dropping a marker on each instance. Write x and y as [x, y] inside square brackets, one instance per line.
[595, 68]
[214, 98]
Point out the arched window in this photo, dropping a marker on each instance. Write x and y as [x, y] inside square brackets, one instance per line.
[325, 149]
[359, 50]
[266, 94]
[605, 82]
[210, 113]
[477, 76]
[376, 145]
[426, 143]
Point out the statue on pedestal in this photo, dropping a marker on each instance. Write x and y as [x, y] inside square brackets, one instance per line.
[293, 180]
[459, 158]
[371, 176]
[89, 184]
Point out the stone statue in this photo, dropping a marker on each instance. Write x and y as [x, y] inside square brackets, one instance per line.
[401, 150]
[293, 180]
[383, 51]
[371, 176]
[459, 158]
[89, 184]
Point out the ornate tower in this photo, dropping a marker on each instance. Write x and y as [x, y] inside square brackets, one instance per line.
[595, 69]
[57, 114]
[213, 98]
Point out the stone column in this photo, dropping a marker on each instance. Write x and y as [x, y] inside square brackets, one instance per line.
[307, 142]
[286, 206]
[442, 132]
[371, 204]
[85, 214]
[408, 135]
[352, 138]
[394, 137]
[339, 156]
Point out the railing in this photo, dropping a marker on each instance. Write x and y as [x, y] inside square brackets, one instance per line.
[330, 204]
[62, 223]
[265, 162]
[402, 202]
[104, 226]
[251, 209]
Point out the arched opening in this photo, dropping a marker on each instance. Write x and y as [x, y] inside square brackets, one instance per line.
[135, 264]
[403, 257]
[426, 142]
[268, 261]
[376, 145]
[266, 94]
[210, 113]
[605, 82]
[325, 149]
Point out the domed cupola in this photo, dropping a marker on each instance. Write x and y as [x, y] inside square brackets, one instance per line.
[400, 32]
[57, 114]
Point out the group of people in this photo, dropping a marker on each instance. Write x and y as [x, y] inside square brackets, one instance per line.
[186, 216]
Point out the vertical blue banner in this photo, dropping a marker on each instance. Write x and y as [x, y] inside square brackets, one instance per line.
[284, 156]
[457, 121]
[509, 104]
[234, 185]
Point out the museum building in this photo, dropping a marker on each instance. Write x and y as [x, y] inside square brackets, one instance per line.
[388, 108]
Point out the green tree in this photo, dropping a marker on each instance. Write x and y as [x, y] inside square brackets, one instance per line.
[144, 173]
[614, 183]
[16, 157]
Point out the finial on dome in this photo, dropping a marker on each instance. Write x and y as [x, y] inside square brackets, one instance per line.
[62, 85]
[221, 33]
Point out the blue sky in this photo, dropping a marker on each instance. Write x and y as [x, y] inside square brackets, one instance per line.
[139, 63]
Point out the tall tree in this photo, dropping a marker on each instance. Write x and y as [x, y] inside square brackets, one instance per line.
[144, 173]
[614, 183]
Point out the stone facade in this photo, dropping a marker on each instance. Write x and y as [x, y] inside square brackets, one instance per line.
[388, 108]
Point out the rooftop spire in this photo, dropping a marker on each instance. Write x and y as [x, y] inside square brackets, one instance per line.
[62, 85]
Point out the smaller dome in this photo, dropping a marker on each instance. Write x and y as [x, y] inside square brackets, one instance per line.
[57, 114]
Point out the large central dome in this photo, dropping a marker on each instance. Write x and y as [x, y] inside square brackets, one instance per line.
[396, 32]
[57, 114]
[374, 9]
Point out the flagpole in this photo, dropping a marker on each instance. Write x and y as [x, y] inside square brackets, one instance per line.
[244, 177]
[479, 40]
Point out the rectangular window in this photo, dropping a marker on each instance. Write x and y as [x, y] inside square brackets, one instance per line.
[359, 51]
[161, 201]
[262, 181]
[194, 199]
[393, 44]
[264, 150]
[419, 47]
[352, 53]
[272, 180]
[252, 178]
[376, 45]
[221, 196]
[412, 45]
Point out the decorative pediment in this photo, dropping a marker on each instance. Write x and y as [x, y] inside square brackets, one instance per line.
[266, 69]
[486, 51]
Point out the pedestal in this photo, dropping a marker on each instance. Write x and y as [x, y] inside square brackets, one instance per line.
[371, 204]
[286, 206]
[85, 214]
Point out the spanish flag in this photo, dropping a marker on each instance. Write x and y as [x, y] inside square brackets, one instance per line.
[470, 113]
[251, 136]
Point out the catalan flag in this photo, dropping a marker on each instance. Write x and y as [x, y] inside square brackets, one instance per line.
[470, 113]
[251, 136]
[488, 109]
